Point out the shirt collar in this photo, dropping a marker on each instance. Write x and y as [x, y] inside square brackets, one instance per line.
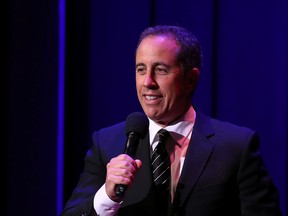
[183, 126]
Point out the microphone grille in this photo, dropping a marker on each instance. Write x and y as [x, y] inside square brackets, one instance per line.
[137, 122]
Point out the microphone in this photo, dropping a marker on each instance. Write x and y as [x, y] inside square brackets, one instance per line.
[136, 128]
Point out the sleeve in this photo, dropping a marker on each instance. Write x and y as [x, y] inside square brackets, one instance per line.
[103, 205]
[258, 195]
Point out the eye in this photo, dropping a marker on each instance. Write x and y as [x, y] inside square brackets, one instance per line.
[161, 71]
[141, 70]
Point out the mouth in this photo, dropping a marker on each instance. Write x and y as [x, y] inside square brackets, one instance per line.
[151, 97]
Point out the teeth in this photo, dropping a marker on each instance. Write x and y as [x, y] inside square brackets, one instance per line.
[151, 97]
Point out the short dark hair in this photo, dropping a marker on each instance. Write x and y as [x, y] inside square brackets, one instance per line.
[190, 54]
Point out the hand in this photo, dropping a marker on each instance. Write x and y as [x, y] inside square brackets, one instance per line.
[120, 170]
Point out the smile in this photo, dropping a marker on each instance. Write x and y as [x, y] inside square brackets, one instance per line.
[151, 97]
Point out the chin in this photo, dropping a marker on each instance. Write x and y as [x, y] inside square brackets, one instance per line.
[156, 117]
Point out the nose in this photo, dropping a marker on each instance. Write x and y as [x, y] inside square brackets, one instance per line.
[149, 81]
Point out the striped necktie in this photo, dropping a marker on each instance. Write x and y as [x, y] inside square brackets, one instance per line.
[161, 173]
[161, 161]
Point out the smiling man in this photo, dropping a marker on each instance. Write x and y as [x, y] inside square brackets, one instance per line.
[163, 88]
[210, 167]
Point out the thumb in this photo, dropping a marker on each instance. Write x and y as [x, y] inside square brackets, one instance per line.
[138, 163]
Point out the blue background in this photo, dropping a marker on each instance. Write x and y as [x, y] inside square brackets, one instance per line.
[85, 49]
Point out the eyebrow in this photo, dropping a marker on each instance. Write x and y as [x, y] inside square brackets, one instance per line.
[139, 64]
[154, 64]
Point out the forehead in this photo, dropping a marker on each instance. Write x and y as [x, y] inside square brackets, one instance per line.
[157, 46]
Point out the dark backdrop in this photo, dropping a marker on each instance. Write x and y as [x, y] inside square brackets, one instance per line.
[243, 80]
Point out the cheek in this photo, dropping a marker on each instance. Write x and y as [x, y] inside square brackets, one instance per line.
[176, 94]
[138, 89]
[175, 87]
[138, 82]
[138, 86]
[172, 90]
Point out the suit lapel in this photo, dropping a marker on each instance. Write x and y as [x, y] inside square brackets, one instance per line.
[198, 154]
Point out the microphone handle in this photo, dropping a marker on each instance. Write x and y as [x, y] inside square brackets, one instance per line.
[120, 190]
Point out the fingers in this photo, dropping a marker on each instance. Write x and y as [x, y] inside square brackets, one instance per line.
[120, 170]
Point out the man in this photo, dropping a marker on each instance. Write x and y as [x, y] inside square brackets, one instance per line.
[215, 167]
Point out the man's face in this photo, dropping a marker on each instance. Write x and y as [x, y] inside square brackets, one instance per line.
[162, 88]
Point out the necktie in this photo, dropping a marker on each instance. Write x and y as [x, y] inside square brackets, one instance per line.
[161, 173]
[161, 161]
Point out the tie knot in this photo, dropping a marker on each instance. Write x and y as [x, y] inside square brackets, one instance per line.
[162, 135]
[162, 138]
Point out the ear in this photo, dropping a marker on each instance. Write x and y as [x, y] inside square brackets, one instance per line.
[191, 79]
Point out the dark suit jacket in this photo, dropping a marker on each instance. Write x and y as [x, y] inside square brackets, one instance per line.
[223, 174]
